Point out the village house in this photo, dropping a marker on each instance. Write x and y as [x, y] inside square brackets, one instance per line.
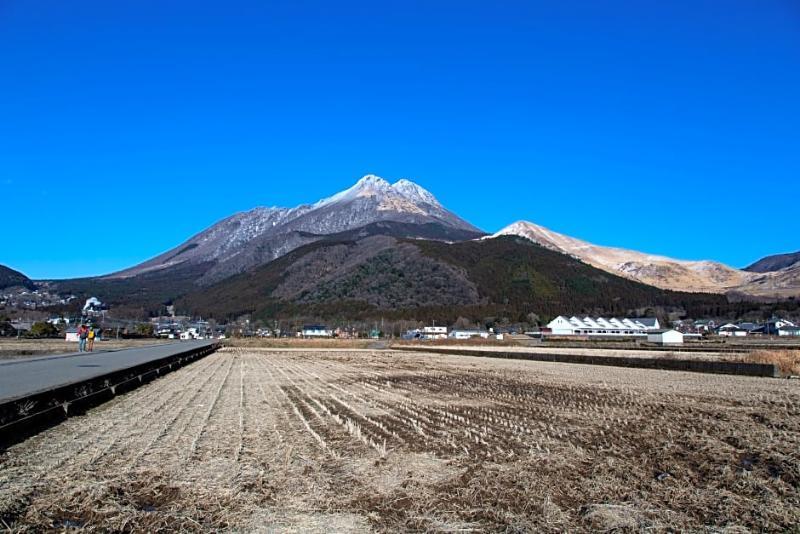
[749, 327]
[772, 327]
[434, 332]
[731, 330]
[600, 326]
[316, 330]
[467, 334]
[705, 326]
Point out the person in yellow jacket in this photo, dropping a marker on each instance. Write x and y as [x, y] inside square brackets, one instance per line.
[92, 334]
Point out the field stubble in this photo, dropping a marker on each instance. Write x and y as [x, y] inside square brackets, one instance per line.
[339, 441]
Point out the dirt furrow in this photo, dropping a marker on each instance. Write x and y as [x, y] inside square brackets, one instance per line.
[162, 440]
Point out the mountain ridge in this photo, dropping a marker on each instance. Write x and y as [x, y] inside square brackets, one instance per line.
[12, 278]
[660, 271]
[253, 237]
[774, 262]
[382, 276]
[400, 211]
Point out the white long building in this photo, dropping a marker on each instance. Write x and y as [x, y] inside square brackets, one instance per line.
[600, 326]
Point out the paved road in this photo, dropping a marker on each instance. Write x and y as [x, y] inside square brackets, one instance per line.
[21, 378]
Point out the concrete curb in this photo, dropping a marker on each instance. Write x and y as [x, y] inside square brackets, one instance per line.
[24, 416]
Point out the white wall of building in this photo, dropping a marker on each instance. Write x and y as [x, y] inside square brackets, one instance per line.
[670, 337]
[317, 332]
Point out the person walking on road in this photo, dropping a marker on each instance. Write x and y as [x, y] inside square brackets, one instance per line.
[90, 337]
[83, 335]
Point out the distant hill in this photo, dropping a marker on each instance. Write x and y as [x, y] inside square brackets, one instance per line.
[659, 271]
[774, 263]
[384, 276]
[10, 278]
[669, 273]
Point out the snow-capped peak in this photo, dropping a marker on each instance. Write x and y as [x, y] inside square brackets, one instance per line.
[403, 192]
[414, 192]
[368, 185]
[371, 180]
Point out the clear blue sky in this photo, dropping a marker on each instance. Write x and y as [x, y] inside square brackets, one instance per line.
[670, 128]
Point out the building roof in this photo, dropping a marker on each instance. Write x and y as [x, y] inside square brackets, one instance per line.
[601, 323]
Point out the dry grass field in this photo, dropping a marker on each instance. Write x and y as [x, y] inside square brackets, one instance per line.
[250, 439]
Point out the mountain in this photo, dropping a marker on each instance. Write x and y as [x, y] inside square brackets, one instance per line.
[11, 278]
[776, 284]
[774, 263]
[659, 271]
[255, 237]
[354, 275]
[389, 233]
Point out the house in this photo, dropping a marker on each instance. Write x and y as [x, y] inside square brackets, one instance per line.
[665, 337]
[771, 327]
[316, 330]
[731, 330]
[600, 326]
[192, 333]
[467, 334]
[434, 332]
[774, 325]
[789, 331]
[705, 325]
[169, 330]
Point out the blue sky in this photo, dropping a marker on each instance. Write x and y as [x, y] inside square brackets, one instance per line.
[126, 127]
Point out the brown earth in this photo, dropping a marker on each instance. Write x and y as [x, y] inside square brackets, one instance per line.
[324, 441]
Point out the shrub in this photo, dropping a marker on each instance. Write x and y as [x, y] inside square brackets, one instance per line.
[42, 329]
[788, 361]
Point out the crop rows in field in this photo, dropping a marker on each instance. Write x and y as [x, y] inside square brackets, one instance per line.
[393, 440]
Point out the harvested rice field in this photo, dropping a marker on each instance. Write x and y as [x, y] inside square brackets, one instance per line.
[341, 441]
